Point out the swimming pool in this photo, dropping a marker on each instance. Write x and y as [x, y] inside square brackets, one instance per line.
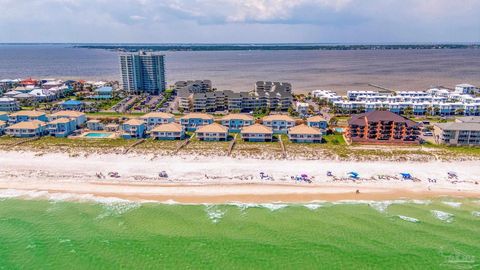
[97, 135]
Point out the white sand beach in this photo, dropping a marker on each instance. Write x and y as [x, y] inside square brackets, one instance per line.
[220, 179]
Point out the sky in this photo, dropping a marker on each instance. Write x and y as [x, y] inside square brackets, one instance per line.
[240, 21]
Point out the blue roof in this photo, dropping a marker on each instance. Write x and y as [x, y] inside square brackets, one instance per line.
[104, 89]
[72, 102]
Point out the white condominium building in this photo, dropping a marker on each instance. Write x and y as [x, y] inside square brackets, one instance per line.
[143, 72]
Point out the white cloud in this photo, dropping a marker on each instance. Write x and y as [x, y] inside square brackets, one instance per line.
[239, 20]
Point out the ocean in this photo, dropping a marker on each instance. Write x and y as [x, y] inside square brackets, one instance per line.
[117, 234]
[238, 70]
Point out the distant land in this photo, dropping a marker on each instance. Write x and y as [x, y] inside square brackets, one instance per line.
[272, 47]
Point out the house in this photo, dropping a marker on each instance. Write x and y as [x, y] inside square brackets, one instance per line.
[381, 127]
[192, 121]
[3, 125]
[79, 117]
[112, 127]
[94, 124]
[235, 122]
[257, 133]
[464, 131]
[25, 129]
[73, 105]
[8, 104]
[104, 92]
[212, 132]
[305, 134]
[170, 131]
[43, 95]
[24, 116]
[278, 122]
[302, 108]
[133, 128]
[317, 122]
[157, 118]
[61, 127]
[3, 116]
[25, 98]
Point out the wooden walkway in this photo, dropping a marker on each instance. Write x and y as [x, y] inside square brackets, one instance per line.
[284, 151]
[183, 144]
[133, 145]
[232, 144]
[25, 141]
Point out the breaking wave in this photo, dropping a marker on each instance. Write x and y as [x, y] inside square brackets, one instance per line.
[443, 216]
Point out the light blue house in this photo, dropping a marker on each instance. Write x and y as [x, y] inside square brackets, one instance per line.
[3, 116]
[105, 92]
[257, 133]
[278, 123]
[3, 125]
[79, 117]
[192, 121]
[27, 129]
[317, 122]
[235, 122]
[133, 128]
[170, 131]
[154, 119]
[62, 127]
[73, 105]
[305, 134]
[26, 116]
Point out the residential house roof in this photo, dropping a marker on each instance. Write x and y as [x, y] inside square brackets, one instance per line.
[28, 113]
[203, 116]
[468, 119]
[379, 116]
[459, 126]
[68, 114]
[27, 125]
[134, 122]
[316, 118]
[170, 127]
[60, 121]
[72, 102]
[256, 129]
[304, 129]
[239, 116]
[215, 127]
[278, 117]
[158, 115]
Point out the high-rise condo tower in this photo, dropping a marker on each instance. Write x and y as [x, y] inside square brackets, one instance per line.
[143, 72]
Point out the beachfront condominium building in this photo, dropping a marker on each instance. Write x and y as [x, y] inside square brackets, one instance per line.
[381, 127]
[464, 131]
[143, 72]
[197, 86]
[434, 101]
[266, 95]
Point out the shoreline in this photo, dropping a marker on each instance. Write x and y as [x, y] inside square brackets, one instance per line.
[231, 194]
[220, 180]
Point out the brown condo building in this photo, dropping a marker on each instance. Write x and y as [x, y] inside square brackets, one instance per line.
[381, 127]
